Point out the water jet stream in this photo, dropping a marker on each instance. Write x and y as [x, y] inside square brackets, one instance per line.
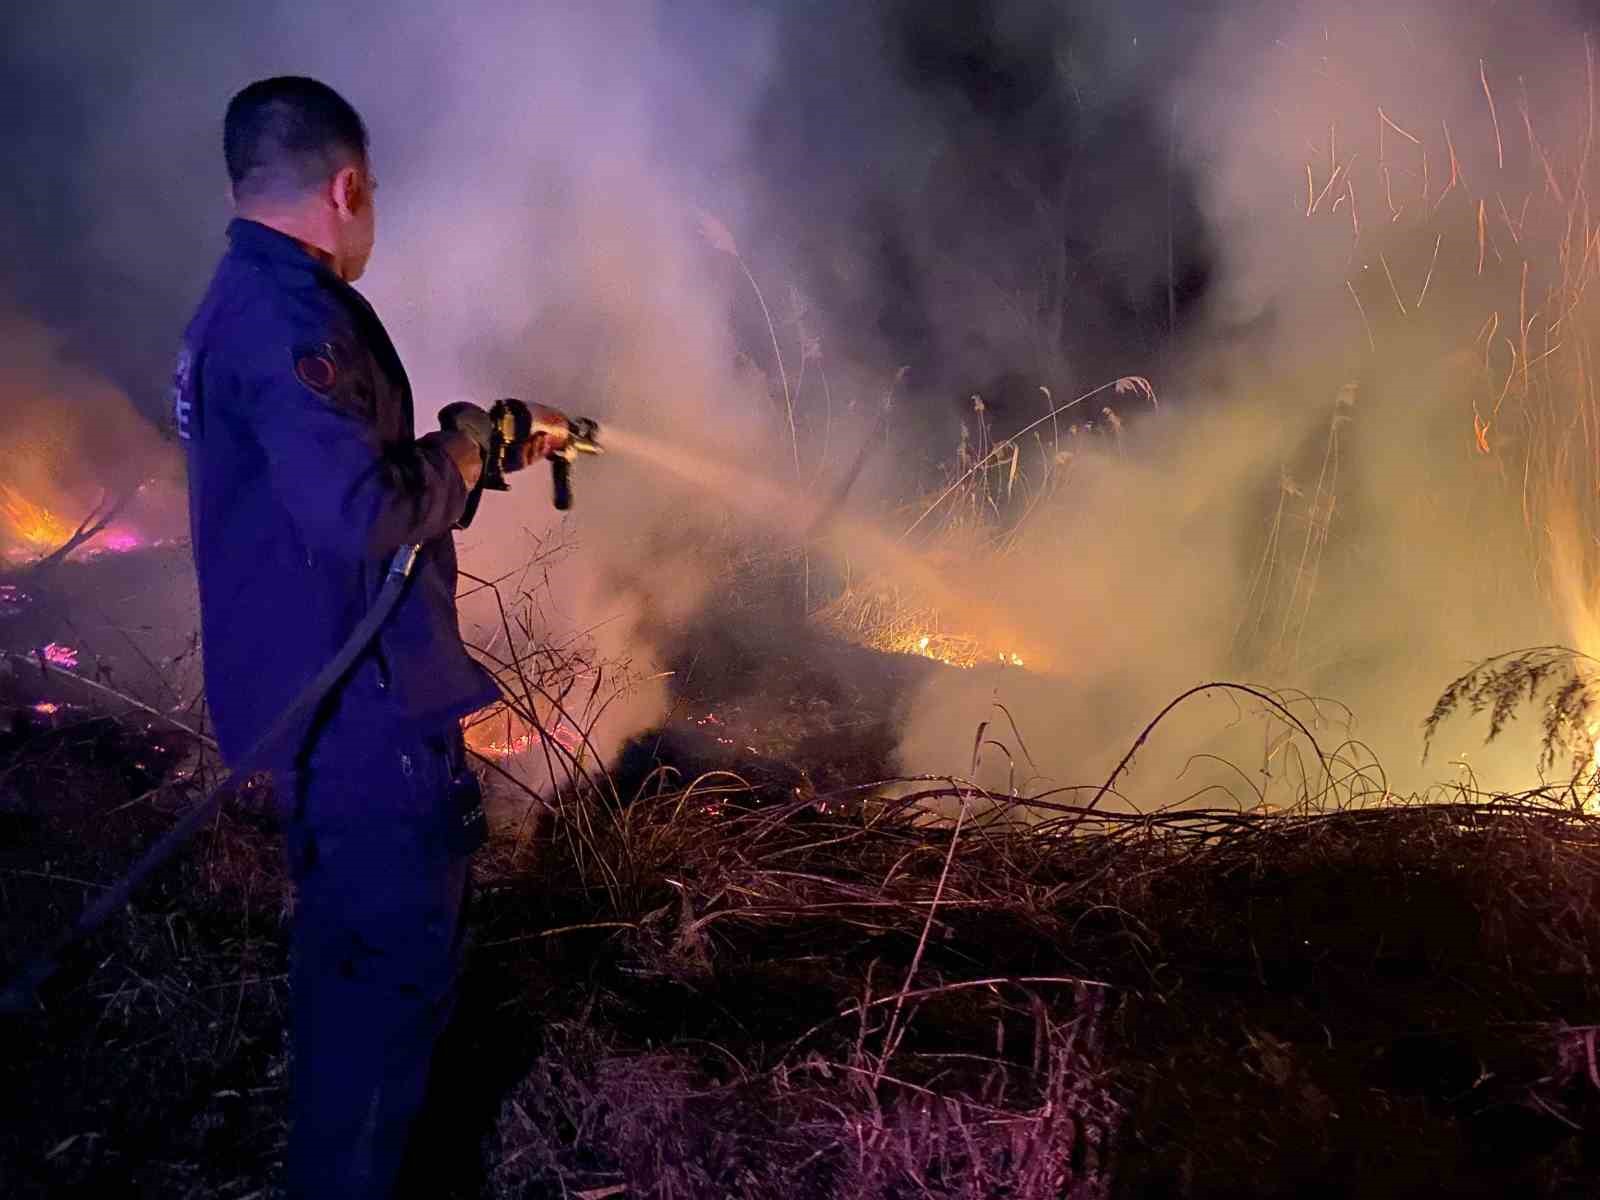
[797, 514]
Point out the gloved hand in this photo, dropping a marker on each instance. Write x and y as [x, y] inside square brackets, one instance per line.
[471, 420]
[466, 442]
[510, 437]
[473, 423]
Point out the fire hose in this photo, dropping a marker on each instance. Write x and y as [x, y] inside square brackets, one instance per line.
[20, 992]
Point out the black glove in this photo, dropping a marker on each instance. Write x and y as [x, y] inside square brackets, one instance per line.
[509, 436]
[471, 420]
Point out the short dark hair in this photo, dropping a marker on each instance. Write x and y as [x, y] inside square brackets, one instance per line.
[284, 136]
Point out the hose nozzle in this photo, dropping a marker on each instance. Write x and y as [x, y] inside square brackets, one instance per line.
[584, 435]
[560, 439]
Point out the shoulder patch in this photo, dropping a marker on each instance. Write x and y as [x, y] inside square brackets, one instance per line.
[315, 368]
[331, 369]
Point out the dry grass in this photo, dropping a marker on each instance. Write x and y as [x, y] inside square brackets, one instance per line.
[683, 1122]
[876, 999]
[1558, 683]
[953, 993]
[894, 620]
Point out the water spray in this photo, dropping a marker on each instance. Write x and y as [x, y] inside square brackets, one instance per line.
[823, 524]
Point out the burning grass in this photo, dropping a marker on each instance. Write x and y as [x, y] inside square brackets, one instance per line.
[952, 993]
[893, 621]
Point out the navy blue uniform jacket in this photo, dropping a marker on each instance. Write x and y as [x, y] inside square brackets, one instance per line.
[305, 475]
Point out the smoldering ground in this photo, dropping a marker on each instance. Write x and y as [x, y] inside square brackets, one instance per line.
[1019, 191]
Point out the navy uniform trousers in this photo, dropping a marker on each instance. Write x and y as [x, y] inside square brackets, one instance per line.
[378, 836]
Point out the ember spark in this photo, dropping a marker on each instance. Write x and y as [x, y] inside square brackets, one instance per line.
[61, 656]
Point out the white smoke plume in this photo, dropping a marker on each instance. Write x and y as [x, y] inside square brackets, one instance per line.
[1336, 435]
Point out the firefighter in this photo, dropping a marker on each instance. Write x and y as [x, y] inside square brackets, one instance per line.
[305, 475]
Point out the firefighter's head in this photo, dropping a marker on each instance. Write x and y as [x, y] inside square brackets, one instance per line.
[297, 161]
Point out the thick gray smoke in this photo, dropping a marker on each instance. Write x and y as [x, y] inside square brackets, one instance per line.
[1001, 196]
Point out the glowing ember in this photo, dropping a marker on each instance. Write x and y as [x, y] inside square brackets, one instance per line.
[953, 650]
[493, 737]
[896, 622]
[34, 525]
[46, 708]
[520, 744]
[61, 656]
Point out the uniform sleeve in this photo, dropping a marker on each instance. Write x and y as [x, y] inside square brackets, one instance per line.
[348, 495]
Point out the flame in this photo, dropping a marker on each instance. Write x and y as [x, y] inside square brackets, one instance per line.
[34, 525]
[29, 528]
[961, 651]
[503, 738]
[952, 650]
[899, 621]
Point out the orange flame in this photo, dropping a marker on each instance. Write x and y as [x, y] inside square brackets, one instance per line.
[507, 735]
[34, 525]
[952, 650]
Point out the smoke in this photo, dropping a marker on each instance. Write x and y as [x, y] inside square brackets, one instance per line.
[554, 183]
[983, 192]
[1004, 197]
[75, 444]
[537, 238]
[1353, 486]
